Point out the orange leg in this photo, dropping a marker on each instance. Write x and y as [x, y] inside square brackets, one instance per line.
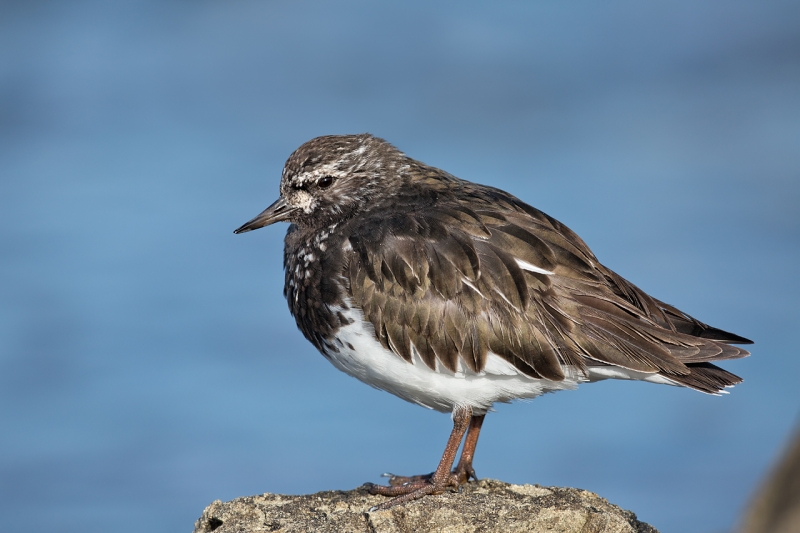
[464, 469]
[405, 489]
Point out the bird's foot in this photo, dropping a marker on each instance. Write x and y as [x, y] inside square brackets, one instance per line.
[464, 471]
[410, 488]
[396, 481]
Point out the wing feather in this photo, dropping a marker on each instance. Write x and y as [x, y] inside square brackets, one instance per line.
[445, 282]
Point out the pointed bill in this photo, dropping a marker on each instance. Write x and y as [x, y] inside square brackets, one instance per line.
[277, 212]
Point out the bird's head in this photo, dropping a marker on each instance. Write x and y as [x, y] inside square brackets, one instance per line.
[332, 178]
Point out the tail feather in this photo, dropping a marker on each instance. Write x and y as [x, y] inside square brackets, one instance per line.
[689, 325]
[706, 377]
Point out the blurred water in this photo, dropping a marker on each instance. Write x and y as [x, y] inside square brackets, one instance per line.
[148, 364]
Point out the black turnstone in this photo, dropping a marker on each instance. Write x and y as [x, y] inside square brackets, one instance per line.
[455, 296]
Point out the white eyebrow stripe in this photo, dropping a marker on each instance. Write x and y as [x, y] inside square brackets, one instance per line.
[524, 265]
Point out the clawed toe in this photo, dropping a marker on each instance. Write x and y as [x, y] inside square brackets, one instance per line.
[396, 481]
[404, 489]
[412, 490]
[465, 472]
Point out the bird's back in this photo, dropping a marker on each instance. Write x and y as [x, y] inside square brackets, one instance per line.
[475, 271]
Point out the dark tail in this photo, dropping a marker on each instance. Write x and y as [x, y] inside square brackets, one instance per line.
[707, 378]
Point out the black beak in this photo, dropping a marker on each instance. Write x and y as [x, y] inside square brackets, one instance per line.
[277, 212]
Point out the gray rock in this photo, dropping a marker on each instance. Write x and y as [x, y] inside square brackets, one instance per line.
[482, 506]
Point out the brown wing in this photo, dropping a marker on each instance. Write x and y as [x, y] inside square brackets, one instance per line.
[460, 279]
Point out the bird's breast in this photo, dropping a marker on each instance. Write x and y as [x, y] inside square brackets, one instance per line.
[313, 287]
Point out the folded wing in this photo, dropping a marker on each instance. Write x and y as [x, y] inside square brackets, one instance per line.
[460, 279]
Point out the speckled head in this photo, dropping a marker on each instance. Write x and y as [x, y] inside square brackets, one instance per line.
[333, 177]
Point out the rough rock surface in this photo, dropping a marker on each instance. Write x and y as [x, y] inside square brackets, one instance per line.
[482, 506]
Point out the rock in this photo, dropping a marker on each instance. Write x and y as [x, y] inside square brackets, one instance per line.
[776, 506]
[482, 506]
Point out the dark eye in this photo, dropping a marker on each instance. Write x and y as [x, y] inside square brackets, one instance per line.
[324, 182]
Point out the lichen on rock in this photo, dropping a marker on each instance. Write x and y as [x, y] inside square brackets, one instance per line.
[482, 506]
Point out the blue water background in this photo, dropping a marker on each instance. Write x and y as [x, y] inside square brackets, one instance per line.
[148, 363]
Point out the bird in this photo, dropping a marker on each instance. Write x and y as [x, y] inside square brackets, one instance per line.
[456, 296]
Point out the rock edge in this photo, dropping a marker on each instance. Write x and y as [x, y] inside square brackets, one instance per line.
[483, 506]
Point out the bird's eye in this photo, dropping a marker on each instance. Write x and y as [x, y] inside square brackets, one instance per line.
[324, 182]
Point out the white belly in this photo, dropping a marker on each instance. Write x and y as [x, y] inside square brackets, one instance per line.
[363, 357]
